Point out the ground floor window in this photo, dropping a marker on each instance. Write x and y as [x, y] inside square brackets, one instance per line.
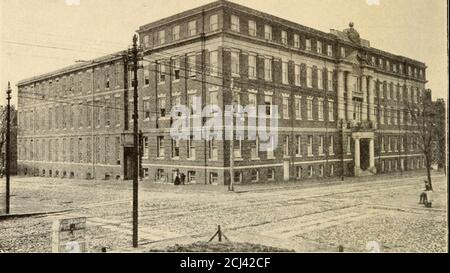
[191, 176]
[213, 178]
[321, 170]
[255, 175]
[237, 177]
[271, 174]
[382, 166]
[310, 171]
[298, 172]
[160, 176]
[146, 173]
[331, 169]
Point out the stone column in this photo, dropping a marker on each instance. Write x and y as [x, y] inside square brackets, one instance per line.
[351, 83]
[340, 95]
[372, 154]
[364, 102]
[357, 158]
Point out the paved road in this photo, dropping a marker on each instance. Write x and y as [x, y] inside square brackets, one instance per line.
[305, 219]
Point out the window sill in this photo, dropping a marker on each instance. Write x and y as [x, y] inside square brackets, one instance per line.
[298, 156]
[255, 158]
[271, 158]
[191, 159]
[238, 159]
[161, 83]
[176, 158]
[176, 81]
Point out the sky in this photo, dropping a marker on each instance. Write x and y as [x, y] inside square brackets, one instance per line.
[85, 29]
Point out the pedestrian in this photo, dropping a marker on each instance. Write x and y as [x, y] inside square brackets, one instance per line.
[423, 195]
[183, 178]
[177, 180]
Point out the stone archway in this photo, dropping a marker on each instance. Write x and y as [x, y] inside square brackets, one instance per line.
[364, 153]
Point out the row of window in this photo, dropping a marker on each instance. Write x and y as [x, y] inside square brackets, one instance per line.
[395, 144]
[388, 165]
[390, 91]
[76, 150]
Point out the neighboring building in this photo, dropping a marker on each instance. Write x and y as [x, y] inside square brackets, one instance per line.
[341, 103]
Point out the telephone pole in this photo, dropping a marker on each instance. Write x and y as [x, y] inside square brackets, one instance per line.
[8, 132]
[134, 55]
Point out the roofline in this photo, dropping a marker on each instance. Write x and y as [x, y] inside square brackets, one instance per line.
[241, 8]
[73, 68]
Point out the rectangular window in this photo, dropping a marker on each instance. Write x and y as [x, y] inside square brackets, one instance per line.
[235, 63]
[297, 75]
[146, 75]
[192, 28]
[162, 107]
[176, 69]
[330, 110]
[320, 109]
[309, 108]
[320, 145]
[268, 32]
[161, 149]
[308, 45]
[298, 146]
[117, 150]
[145, 152]
[310, 145]
[271, 174]
[214, 22]
[252, 66]
[320, 79]
[235, 23]
[146, 109]
[191, 148]
[191, 177]
[161, 73]
[284, 37]
[319, 47]
[286, 107]
[192, 66]
[268, 104]
[342, 52]
[161, 37]
[213, 178]
[331, 147]
[286, 146]
[298, 108]
[176, 33]
[330, 81]
[106, 109]
[252, 28]
[175, 148]
[238, 148]
[213, 150]
[268, 69]
[309, 77]
[296, 41]
[255, 149]
[329, 50]
[214, 63]
[285, 73]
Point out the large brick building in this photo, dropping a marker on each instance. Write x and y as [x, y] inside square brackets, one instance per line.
[342, 103]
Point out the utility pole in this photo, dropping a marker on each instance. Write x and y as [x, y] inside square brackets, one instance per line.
[8, 132]
[134, 55]
[231, 185]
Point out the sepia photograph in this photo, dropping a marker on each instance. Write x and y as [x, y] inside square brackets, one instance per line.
[224, 126]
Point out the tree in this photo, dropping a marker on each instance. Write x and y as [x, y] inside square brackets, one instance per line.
[425, 121]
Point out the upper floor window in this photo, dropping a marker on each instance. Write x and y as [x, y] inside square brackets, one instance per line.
[309, 77]
[213, 22]
[214, 62]
[176, 33]
[235, 63]
[342, 52]
[320, 79]
[308, 44]
[161, 37]
[192, 28]
[268, 32]
[319, 47]
[252, 28]
[296, 41]
[252, 66]
[285, 77]
[192, 67]
[284, 37]
[329, 50]
[330, 81]
[146, 40]
[297, 75]
[176, 69]
[268, 69]
[235, 23]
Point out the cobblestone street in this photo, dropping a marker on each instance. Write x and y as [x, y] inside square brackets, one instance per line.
[305, 218]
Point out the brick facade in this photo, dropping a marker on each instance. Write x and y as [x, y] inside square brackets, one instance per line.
[189, 69]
